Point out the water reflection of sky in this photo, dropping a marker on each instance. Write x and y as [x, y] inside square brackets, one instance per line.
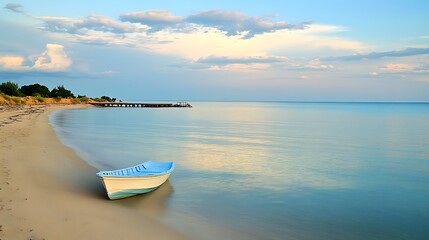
[271, 169]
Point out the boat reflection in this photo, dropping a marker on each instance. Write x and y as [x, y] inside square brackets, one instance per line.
[153, 204]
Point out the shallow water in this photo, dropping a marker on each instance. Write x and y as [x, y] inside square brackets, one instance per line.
[270, 170]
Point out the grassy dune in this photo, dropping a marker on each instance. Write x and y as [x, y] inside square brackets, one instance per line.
[10, 100]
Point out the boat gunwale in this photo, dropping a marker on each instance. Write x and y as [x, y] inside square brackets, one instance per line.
[144, 174]
[135, 176]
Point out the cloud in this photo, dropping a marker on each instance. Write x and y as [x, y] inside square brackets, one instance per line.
[376, 55]
[104, 24]
[232, 22]
[92, 37]
[224, 60]
[12, 62]
[156, 19]
[205, 42]
[240, 67]
[54, 59]
[78, 26]
[422, 69]
[236, 23]
[214, 62]
[213, 37]
[316, 64]
[14, 7]
[243, 63]
[58, 24]
[81, 26]
[396, 67]
[405, 68]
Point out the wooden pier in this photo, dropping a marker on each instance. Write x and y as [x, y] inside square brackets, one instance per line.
[142, 105]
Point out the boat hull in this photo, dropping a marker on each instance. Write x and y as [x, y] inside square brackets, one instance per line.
[120, 187]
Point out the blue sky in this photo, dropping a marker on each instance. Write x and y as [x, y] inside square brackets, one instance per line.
[220, 50]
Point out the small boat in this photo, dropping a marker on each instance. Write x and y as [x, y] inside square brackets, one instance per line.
[142, 178]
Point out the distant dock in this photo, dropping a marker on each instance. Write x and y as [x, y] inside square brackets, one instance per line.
[142, 105]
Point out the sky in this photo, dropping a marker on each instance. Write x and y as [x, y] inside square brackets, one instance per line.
[220, 50]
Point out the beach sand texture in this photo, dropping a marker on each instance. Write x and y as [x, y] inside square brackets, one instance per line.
[48, 192]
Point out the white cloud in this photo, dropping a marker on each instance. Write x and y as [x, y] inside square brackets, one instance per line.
[12, 62]
[54, 59]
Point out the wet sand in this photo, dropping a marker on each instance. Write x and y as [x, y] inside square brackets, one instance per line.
[48, 192]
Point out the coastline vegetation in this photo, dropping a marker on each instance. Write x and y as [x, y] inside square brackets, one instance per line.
[11, 93]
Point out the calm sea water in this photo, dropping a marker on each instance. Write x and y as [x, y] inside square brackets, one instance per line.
[271, 170]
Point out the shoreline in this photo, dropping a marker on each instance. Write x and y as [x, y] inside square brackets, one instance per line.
[48, 192]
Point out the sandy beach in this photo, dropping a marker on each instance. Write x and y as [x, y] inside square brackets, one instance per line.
[48, 192]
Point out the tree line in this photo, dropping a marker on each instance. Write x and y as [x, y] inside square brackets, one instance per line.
[37, 90]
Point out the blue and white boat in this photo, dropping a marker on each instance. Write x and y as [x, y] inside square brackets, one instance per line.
[142, 178]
